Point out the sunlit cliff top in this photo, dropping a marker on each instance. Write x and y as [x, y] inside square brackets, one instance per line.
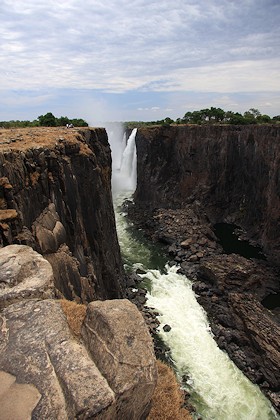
[34, 137]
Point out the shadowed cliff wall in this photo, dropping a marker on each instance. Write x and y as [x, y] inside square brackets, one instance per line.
[233, 171]
[58, 183]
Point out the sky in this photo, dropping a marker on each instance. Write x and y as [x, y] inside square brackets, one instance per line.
[120, 60]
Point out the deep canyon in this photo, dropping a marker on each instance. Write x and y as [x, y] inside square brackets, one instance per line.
[191, 178]
[55, 197]
[61, 359]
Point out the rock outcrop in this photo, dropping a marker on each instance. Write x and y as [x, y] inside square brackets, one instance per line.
[112, 334]
[24, 274]
[47, 373]
[55, 196]
[231, 288]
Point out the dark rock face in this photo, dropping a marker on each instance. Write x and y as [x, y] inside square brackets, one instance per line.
[232, 170]
[230, 289]
[191, 177]
[56, 197]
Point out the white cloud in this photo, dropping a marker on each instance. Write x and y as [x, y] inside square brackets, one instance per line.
[119, 46]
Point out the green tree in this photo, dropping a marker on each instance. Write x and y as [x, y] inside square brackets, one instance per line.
[62, 121]
[235, 118]
[167, 121]
[263, 118]
[217, 114]
[196, 117]
[251, 116]
[47, 120]
[276, 119]
[187, 118]
[79, 122]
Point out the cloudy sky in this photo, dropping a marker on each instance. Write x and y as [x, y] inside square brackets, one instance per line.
[122, 60]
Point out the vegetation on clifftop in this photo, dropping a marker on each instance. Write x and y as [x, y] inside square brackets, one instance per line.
[213, 116]
[47, 120]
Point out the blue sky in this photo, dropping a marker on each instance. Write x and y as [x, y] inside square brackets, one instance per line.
[122, 60]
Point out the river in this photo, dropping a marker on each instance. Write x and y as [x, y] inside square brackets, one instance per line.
[218, 389]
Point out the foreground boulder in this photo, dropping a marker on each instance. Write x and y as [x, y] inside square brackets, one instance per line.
[46, 372]
[24, 274]
[113, 333]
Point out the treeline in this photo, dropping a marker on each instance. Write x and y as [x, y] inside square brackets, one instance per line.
[47, 120]
[213, 116]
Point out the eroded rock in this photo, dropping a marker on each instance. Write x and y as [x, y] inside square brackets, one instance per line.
[24, 274]
[38, 348]
[118, 340]
[49, 231]
[231, 293]
[17, 401]
[45, 373]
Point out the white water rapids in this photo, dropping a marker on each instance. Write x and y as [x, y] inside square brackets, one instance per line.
[219, 390]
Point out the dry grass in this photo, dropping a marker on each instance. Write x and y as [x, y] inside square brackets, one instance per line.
[34, 178]
[30, 137]
[168, 398]
[8, 215]
[75, 315]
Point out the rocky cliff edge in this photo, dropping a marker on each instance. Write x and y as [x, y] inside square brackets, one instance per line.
[46, 371]
[55, 196]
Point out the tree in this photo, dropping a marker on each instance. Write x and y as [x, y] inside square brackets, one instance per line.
[276, 119]
[187, 118]
[205, 114]
[47, 120]
[255, 112]
[196, 117]
[235, 118]
[263, 118]
[251, 115]
[79, 122]
[167, 121]
[62, 121]
[217, 114]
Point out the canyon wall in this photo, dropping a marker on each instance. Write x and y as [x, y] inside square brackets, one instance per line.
[55, 196]
[191, 177]
[232, 171]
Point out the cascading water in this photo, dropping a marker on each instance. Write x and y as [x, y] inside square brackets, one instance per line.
[218, 389]
[124, 176]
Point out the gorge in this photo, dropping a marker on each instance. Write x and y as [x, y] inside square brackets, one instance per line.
[55, 197]
[70, 346]
[189, 179]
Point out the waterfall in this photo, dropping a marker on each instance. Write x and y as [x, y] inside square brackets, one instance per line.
[128, 164]
[124, 162]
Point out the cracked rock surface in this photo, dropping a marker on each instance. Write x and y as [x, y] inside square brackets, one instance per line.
[47, 373]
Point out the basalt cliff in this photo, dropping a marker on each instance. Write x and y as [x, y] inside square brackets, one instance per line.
[55, 196]
[189, 179]
[80, 356]
[233, 171]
